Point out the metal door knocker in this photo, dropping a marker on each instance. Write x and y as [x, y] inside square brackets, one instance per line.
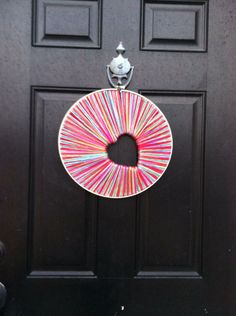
[98, 119]
[120, 69]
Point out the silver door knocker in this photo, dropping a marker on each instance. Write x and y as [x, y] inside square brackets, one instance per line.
[120, 71]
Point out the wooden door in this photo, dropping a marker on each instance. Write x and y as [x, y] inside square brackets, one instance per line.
[169, 251]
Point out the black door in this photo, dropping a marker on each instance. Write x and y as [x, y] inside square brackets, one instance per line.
[169, 251]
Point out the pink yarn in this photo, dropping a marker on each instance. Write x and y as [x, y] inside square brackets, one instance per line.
[97, 120]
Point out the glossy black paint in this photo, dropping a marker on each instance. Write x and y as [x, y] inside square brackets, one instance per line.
[169, 251]
[3, 295]
[125, 144]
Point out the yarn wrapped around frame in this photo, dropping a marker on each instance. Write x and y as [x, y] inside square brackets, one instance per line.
[99, 119]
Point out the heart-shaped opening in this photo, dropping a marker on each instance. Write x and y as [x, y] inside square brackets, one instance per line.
[124, 151]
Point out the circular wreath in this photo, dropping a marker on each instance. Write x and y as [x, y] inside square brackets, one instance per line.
[97, 120]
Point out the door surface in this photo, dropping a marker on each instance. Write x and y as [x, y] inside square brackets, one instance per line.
[169, 251]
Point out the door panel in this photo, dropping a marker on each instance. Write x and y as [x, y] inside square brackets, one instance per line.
[57, 243]
[168, 251]
[174, 25]
[176, 207]
[81, 26]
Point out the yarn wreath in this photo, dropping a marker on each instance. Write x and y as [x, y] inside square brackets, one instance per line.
[99, 119]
